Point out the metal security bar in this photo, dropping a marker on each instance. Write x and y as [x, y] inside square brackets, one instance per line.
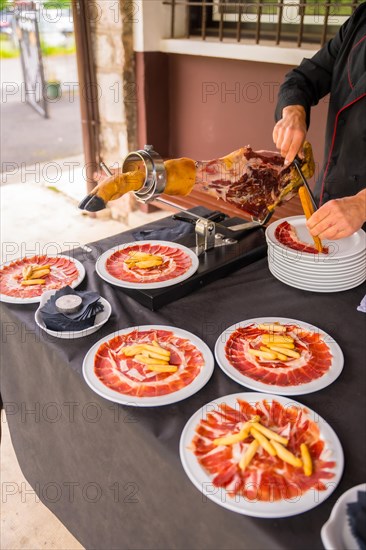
[298, 22]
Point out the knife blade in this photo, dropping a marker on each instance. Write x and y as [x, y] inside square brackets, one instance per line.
[297, 163]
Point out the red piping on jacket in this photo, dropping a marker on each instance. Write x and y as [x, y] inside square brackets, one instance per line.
[332, 144]
[349, 59]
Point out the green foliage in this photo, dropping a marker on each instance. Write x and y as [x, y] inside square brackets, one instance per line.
[7, 49]
[7, 54]
[3, 4]
[57, 4]
[57, 50]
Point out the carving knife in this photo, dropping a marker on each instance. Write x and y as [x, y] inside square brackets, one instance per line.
[297, 163]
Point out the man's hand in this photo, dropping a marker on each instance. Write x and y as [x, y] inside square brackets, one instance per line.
[339, 218]
[290, 132]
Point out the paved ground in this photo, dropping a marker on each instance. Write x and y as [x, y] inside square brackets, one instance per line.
[27, 138]
[61, 67]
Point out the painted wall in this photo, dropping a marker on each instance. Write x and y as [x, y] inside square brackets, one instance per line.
[218, 105]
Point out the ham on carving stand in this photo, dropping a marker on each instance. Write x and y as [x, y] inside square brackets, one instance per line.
[255, 182]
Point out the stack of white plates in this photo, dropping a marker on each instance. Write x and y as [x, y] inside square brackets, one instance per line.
[344, 267]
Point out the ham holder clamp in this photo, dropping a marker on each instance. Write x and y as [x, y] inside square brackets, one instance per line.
[221, 247]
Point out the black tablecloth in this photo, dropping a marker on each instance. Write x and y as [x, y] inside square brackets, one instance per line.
[112, 474]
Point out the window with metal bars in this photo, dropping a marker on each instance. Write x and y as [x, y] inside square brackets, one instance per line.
[294, 22]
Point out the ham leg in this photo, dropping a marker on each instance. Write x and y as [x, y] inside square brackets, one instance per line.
[254, 181]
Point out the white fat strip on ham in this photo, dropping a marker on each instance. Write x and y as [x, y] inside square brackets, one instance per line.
[120, 365]
[116, 369]
[294, 236]
[150, 374]
[219, 432]
[135, 374]
[57, 274]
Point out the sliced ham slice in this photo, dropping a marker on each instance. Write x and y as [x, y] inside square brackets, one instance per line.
[286, 234]
[63, 273]
[267, 478]
[315, 360]
[176, 262]
[127, 376]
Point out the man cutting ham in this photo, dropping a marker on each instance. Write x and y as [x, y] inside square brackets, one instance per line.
[339, 68]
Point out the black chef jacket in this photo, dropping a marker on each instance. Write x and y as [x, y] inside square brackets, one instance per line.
[339, 68]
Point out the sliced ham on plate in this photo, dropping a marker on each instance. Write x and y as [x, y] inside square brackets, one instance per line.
[286, 235]
[261, 455]
[128, 376]
[63, 271]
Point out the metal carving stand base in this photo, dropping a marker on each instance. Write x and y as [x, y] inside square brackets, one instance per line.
[207, 238]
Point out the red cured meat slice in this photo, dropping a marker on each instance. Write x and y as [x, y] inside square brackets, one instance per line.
[251, 180]
[128, 376]
[266, 478]
[176, 262]
[63, 272]
[316, 358]
[286, 234]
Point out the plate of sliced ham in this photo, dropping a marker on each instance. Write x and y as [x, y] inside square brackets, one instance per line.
[294, 260]
[292, 235]
[147, 264]
[279, 355]
[24, 280]
[148, 366]
[261, 455]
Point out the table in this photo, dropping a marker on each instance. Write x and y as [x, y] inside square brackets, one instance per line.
[112, 474]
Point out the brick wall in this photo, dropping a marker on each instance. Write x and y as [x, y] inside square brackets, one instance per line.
[115, 71]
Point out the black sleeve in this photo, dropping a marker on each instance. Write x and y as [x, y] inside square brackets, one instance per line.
[312, 79]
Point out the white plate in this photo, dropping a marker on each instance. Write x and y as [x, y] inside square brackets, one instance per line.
[96, 385]
[37, 299]
[323, 278]
[315, 385]
[319, 283]
[320, 275]
[336, 533]
[100, 319]
[339, 249]
[316, 288]
[327, 275]
[104, 274]
[313, 260]
[297, 263]
[325, 282]
[241, 505]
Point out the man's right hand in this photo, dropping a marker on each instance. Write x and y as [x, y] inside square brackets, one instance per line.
[290, 132]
